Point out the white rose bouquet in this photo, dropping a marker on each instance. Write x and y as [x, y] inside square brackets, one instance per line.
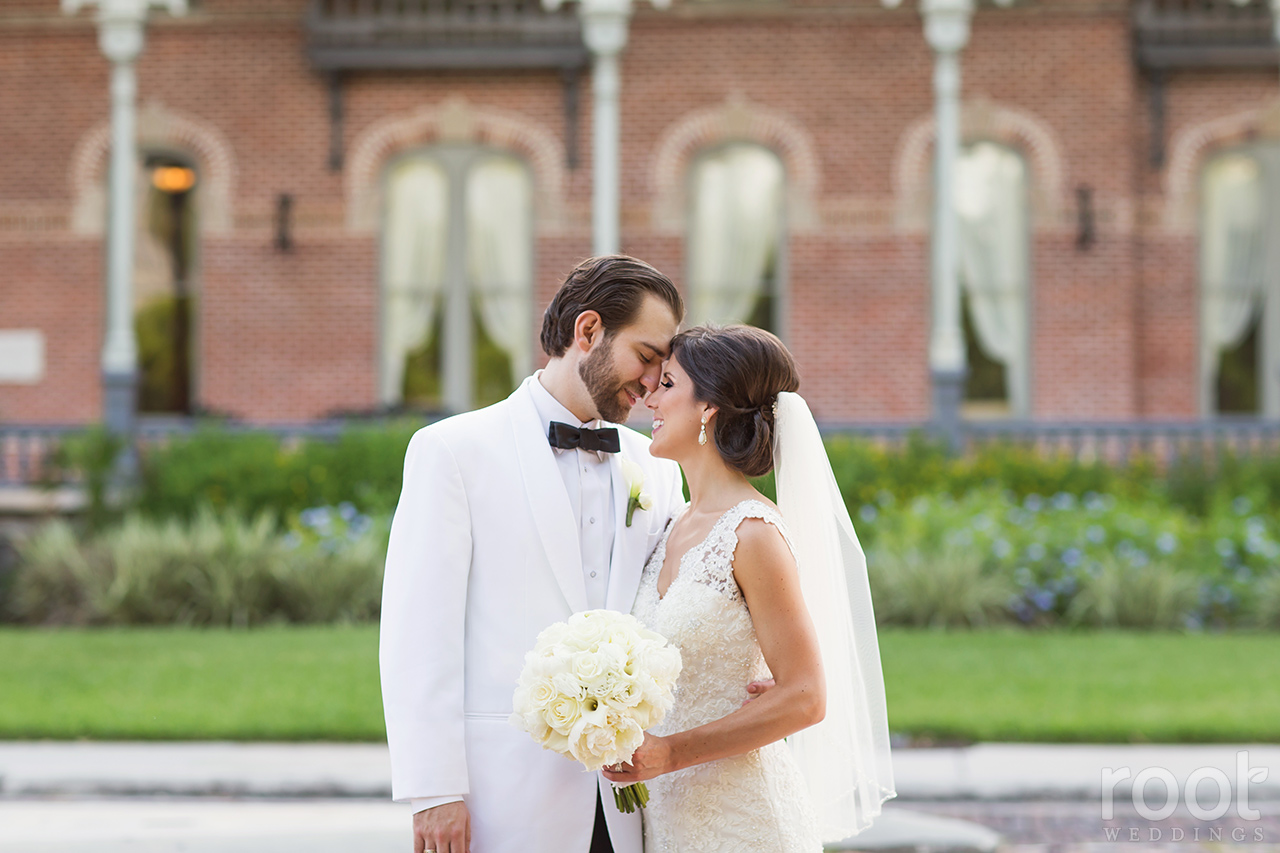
[591, 686]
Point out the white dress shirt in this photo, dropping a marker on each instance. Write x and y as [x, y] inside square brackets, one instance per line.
[588, 479]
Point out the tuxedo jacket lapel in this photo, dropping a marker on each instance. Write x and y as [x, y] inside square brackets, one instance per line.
[627, 561]
[548, 500]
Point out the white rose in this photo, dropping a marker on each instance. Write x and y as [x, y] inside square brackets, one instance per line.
[588, 667]
[563, 712]
[587, 633]
[542, 693]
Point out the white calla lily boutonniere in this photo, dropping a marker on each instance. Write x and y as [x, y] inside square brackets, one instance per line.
[637, 497]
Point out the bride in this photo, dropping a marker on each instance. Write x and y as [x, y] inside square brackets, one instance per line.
[749, 590]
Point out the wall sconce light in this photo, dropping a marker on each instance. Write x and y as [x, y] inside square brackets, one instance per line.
[284, 216]
[1085, 232]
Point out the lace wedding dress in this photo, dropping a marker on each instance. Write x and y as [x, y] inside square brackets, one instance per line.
[756, 801]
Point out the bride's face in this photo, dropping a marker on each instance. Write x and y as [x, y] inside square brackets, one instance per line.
[677, 415]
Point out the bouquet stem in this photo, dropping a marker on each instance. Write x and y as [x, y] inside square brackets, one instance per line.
[631, 797]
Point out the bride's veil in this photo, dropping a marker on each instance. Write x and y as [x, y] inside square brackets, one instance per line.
[845, 758]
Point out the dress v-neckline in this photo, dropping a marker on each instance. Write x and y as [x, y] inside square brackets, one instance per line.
[680, 570]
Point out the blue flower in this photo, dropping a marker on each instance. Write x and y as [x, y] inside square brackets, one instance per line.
[314, 517]
[1064, 501]
[1072, 557]
[1242, 506]
[291, 540]
[1138, 558]
[1043, 599]
[1095, 534]
[1166, 543]
[1033, 502]
[347, 510]
[1035, 552]
[868, 513]
[1001, 548]
[1094, 502]
[1022, 575]
[1226, 548]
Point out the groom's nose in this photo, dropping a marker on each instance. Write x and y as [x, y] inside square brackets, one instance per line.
[651, 376]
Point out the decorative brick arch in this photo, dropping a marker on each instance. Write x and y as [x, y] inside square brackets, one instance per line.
[736, 120]
[453, 120]
[160, 129]
[980, 119]
[1194, 144]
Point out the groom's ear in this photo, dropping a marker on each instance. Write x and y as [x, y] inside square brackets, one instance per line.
[587, 329]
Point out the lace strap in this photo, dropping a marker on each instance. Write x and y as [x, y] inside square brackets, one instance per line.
[723, 540]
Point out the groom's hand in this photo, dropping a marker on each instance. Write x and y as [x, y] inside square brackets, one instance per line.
[758, 689]
[444, 829]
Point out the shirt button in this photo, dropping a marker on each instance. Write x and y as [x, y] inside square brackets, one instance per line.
[593, 574]
[584, 467]
[593, 519]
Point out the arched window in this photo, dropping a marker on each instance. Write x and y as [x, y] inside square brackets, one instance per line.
[992, 209]
[736, 236]
[1239, 323]
[457, 279]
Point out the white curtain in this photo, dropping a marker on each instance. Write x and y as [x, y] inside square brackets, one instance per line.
[736, 231]
[991, 206]
[500, 255]
[413, 263]
[1233, 261]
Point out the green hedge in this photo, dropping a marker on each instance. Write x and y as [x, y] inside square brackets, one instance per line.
[218, 569]
[985, 559]
[255, 472]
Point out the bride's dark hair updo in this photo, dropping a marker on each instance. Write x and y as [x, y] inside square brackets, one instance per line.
[740, 370]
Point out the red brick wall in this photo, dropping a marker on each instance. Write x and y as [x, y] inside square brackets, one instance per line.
[287, 336]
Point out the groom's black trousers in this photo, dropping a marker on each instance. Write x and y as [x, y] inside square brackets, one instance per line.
[600, 835]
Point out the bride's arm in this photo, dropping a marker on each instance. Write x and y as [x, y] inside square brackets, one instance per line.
[766, 573]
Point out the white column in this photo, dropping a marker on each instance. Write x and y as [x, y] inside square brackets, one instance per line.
[946, 28]
[120, 37]
[606, 202]
[604, 31]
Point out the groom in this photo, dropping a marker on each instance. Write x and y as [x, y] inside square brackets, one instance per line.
[511, 518]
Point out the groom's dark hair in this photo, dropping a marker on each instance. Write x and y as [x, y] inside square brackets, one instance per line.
[614, 286]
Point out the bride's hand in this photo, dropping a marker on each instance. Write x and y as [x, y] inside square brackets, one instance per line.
[653, 758]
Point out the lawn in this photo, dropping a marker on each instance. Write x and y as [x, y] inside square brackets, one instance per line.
[321, 683]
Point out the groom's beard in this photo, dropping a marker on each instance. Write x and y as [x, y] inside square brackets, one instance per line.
[600, 377]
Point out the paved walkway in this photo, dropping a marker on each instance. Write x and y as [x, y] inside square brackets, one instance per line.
[982, 772]
[332, 798]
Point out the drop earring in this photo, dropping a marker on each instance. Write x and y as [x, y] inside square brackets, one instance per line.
[702, 434]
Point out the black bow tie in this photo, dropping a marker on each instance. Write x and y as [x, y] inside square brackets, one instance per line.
[568, 437]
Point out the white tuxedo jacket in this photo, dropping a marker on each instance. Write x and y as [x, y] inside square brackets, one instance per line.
[485, 553]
